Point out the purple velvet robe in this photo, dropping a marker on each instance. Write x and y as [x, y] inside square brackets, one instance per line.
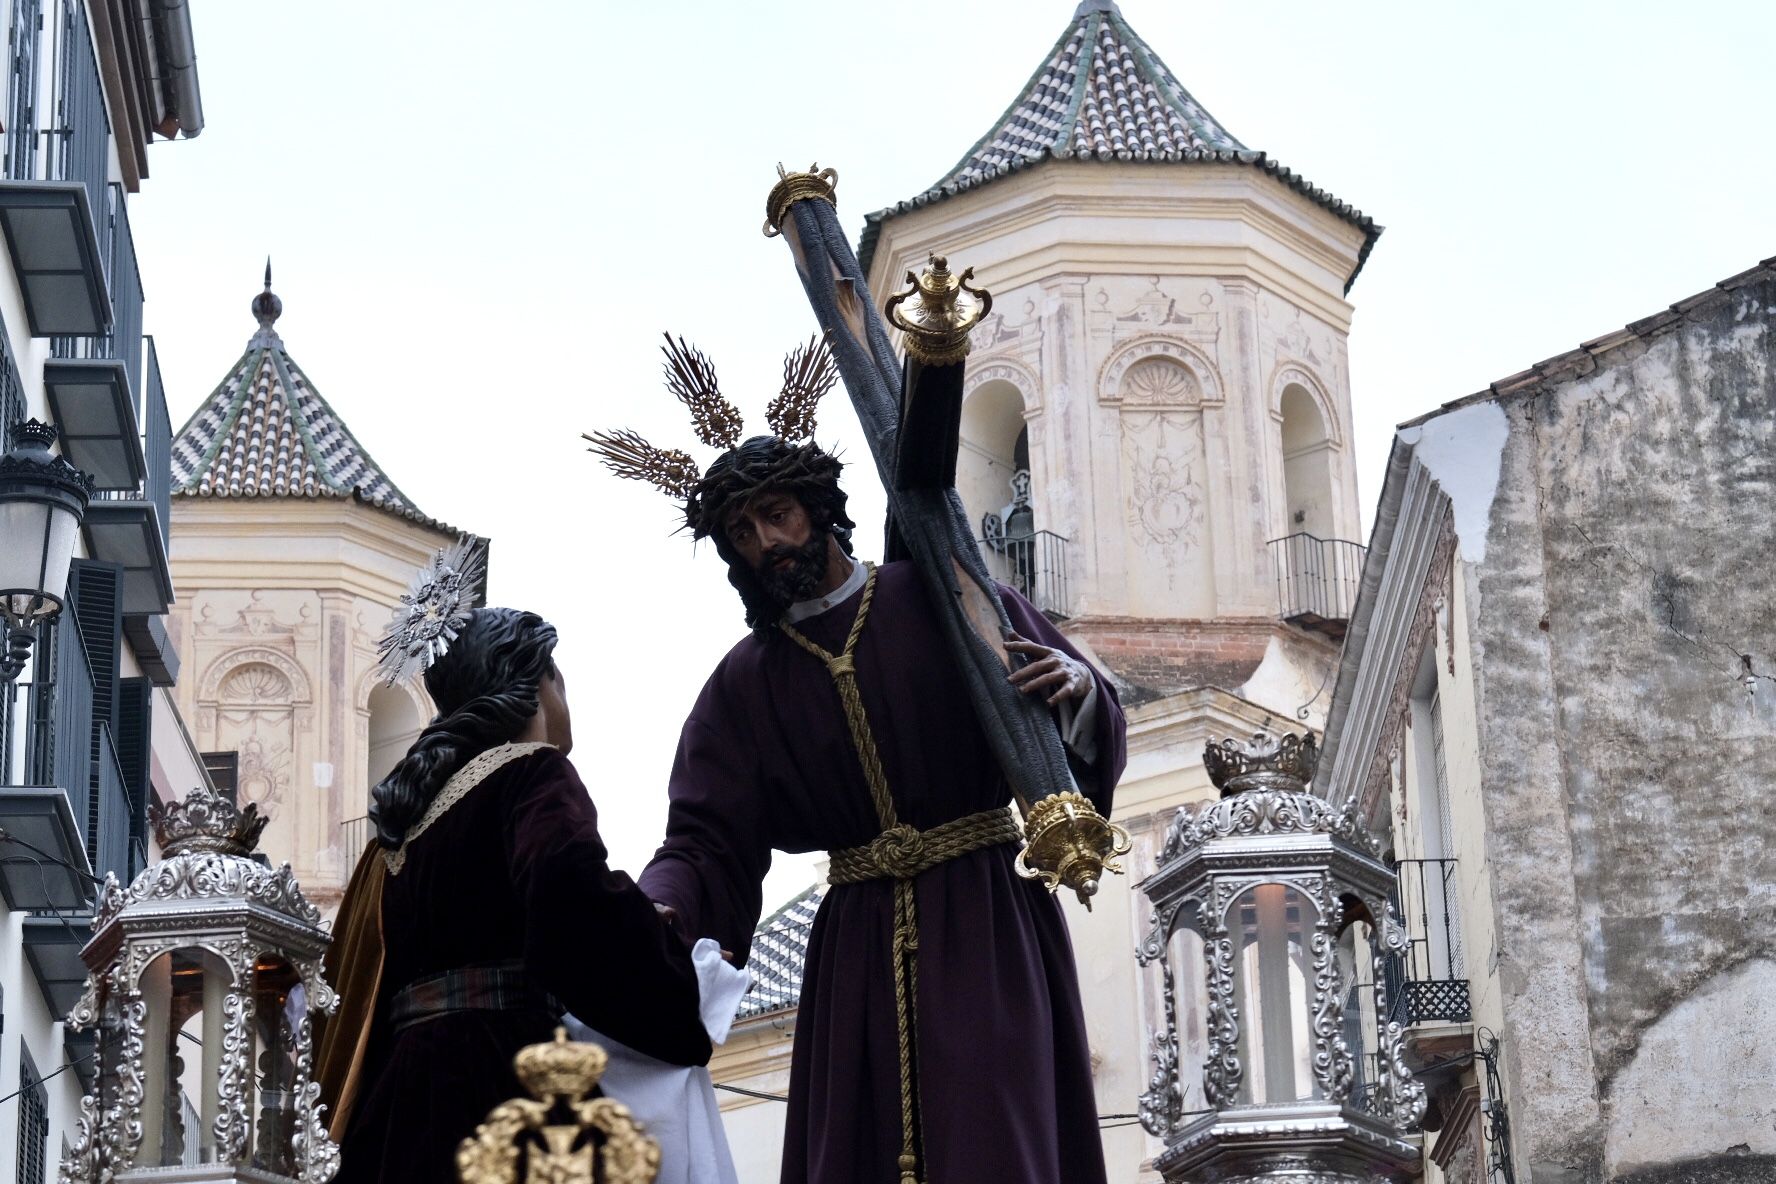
[515, 871]
[766, 761]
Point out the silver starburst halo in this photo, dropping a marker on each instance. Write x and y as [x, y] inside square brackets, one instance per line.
[433, 610]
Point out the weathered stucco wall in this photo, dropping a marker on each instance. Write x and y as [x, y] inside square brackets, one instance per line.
[1628, 729]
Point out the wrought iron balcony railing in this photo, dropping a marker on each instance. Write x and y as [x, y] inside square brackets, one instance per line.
[117, 247]
[354, 835]
[1317, 580]
[1430, 981]
[1036, 565]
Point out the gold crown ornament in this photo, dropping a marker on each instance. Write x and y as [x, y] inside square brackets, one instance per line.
[943, 309]
[817, 183]
[1067, 842]
[556, 1134]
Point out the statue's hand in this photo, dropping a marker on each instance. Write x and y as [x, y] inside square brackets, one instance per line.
[1049, 672]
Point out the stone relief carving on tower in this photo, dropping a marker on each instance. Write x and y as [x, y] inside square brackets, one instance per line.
[1122, 308]
[1156, 373]
[1163, 456]
[254, 693]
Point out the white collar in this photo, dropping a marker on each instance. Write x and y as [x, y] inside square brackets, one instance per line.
[801, 610]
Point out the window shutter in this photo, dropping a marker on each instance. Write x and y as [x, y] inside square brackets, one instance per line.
[95, 591]
[135, 718]
[224, 771]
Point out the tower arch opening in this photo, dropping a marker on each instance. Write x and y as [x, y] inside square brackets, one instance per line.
[995, 449]
[395, 722]
[1307, 464]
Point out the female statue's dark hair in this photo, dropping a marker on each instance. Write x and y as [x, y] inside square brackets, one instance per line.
[485, 687]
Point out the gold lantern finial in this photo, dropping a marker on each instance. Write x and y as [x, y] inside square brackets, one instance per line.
[518, 1142]
[944, 308]
[1066, 841]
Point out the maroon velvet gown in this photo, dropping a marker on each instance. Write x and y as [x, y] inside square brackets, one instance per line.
[766, 761]
[514, 871]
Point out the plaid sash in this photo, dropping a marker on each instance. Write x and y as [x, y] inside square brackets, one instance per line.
[496, 986]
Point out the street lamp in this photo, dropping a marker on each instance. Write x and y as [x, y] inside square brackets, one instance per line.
[1269, 906]
[42, 500]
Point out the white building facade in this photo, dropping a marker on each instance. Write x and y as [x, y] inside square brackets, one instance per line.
[1555, 708]
[89, 734]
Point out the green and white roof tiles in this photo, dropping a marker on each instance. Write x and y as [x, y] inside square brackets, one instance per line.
[266, 432]
[1103, 95]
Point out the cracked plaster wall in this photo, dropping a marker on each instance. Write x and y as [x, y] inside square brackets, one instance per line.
[1623, 635]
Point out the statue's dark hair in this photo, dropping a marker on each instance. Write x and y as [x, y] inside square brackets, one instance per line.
[485, 687]
[763, 463]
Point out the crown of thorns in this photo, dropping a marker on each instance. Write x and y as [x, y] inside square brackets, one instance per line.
[808, 373]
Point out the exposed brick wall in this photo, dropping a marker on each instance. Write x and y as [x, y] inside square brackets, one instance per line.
[1160, 657]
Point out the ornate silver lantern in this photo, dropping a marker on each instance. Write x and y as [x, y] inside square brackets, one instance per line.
[205, 973]
[1271, 922]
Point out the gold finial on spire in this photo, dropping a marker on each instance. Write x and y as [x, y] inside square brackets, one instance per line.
[944, 308]
[818, 183]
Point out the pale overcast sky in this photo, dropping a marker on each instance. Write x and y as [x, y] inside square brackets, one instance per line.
[482, 216]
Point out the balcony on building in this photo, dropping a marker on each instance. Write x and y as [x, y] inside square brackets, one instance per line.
[59, 214]
[74, 748]
[1020, 556]
[128, 525]
[1316, 581]
[1431, 983]
[44, 868]
[1427, 986]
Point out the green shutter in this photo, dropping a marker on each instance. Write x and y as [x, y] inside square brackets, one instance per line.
[135, 718]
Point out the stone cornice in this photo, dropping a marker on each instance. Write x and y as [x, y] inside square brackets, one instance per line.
[1194, 717]
[1413, 550]
[1055, 204]
[222, 543]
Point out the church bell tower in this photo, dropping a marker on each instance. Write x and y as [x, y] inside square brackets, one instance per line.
[1156, 437]
[1156, 432]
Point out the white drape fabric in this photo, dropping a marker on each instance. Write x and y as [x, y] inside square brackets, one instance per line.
[677, 1104]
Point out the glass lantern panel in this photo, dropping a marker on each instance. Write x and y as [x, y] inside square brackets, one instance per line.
[1272, 928]
[182, 1051]
[23, 524]
[280, 1005]
[1184, 954]
[1356, 967]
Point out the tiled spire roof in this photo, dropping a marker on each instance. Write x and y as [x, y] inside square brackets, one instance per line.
[1101, 94]
[779, 949]
[266, 432]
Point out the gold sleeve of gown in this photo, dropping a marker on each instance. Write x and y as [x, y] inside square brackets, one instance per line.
[354, 968]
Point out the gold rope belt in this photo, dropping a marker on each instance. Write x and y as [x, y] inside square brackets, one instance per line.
[902, 852]
[899, 853]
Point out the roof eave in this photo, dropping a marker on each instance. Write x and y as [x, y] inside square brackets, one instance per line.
[1584, 358]
[870, 239]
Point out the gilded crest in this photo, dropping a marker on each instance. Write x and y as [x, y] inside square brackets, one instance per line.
[558, 1135]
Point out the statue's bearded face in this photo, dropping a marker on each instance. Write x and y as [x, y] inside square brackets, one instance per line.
[778, 540]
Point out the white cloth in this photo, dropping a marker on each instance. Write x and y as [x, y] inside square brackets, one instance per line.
[801, 610]
[1079, 724]
[677, 1104]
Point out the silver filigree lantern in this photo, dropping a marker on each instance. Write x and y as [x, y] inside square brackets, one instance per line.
[1274, 1059]
[204, 976]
